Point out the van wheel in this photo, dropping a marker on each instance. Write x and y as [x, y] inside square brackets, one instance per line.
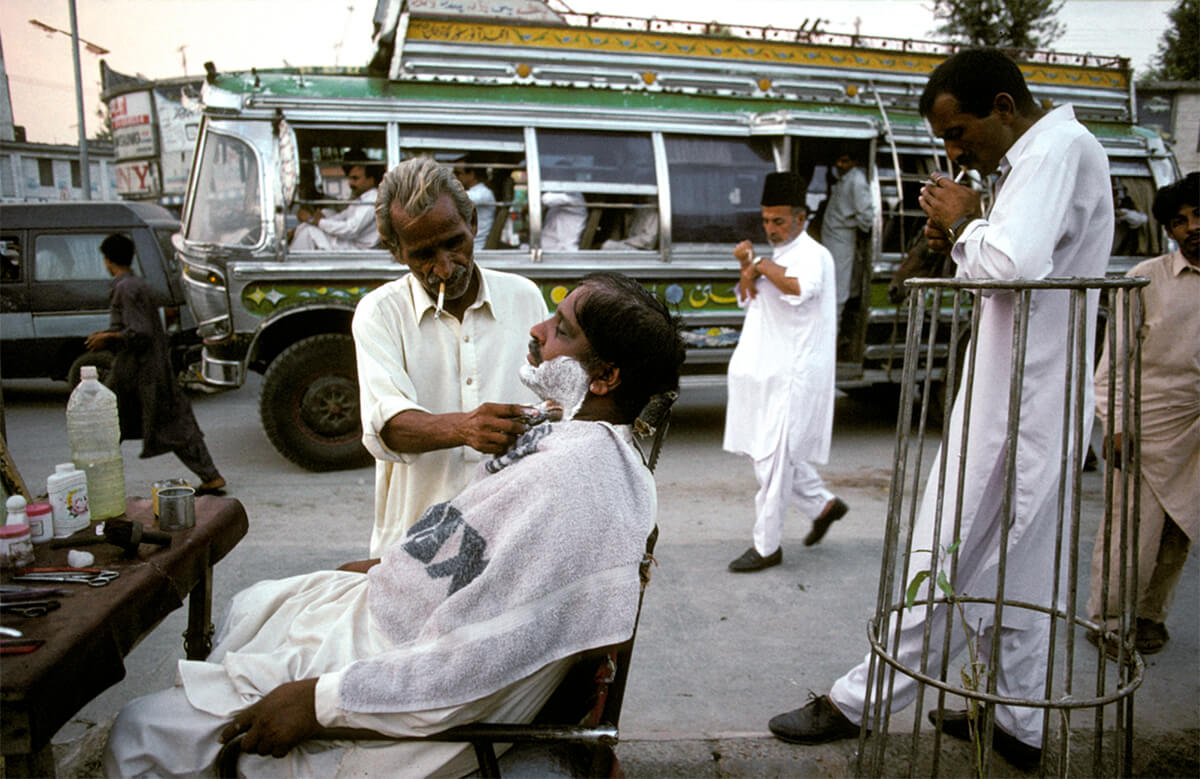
[309, 404]
[101, 359]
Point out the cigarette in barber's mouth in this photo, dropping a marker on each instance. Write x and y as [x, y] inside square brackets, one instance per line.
[441, 299]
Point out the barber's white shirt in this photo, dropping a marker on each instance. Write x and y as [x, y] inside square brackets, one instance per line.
[409, 359]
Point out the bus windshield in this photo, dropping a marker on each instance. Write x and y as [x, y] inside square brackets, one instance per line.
[226, 198]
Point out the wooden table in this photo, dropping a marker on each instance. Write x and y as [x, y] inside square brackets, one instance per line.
[87, 639]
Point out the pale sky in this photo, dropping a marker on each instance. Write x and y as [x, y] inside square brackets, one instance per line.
[145, 36]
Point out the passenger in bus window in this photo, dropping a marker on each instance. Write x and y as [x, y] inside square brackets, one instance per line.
[565, 215]
[351, 228]
[1130, 223]
[781, 375]
[848, 211]
[640, 230]
[472, 177]
[439, 350]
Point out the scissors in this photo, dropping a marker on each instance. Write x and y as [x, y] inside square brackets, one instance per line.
[30, 608]
[92, 577]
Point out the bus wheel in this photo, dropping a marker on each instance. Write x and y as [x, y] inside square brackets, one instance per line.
[101, 359]
[309, 404]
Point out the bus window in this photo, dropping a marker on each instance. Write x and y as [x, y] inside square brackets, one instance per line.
[598, 191]
[715, 188]
[490, 163]
[1136, 234]
[227, 197]
[340, 169]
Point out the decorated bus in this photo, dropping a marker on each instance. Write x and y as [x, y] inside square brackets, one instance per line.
[658, 133]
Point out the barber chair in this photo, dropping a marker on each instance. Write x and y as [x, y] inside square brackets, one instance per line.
[575, 732]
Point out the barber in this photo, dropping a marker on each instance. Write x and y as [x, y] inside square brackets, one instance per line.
[439, 350]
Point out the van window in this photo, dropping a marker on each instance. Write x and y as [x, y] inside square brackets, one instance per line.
[716, 184]
[10, 258]
[336, 168]
[70, 257]
[490, 163]
[227, 202]
[1136, 232]
[599, 190]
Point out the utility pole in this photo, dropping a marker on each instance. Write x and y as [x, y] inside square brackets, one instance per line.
[85, 174]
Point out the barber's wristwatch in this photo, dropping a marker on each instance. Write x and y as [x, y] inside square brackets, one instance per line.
[754, 263]
[953, 230]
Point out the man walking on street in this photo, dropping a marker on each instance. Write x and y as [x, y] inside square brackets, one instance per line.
[150, 403]
[1052, 217]
[780, 408]
[1169, 492]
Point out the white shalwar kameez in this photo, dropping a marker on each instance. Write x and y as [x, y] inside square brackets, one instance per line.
[410, 359]
[850, 209]
[351, 228]
[781, 388]
[1052, 217]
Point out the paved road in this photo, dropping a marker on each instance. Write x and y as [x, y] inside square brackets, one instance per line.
[717, 654]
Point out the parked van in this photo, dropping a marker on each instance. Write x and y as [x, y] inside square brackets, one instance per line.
[657, 134]
[54, 286]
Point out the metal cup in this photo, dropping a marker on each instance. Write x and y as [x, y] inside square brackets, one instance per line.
[176, 508]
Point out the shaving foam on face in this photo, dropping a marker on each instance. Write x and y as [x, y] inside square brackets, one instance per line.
[561, 383]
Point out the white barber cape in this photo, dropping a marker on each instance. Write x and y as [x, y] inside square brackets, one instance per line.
[781, 375]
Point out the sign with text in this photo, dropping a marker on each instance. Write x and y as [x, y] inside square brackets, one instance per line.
[137, 179]
[132, 125]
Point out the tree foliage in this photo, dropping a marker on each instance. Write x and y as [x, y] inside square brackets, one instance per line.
[1007, 24]
[1178, 57]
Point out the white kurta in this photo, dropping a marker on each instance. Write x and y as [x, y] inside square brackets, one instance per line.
[351, 228]
[409, 359]
[1052, 217]
[781, 375]
[849, 210]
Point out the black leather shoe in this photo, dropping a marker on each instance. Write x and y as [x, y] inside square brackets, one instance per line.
[751, 560]
[1151, 636]
[817, 722]
[1012, 749]
[821, 524]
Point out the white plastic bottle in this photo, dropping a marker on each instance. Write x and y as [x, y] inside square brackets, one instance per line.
[94, 431]
[14, 509]
[67, 491]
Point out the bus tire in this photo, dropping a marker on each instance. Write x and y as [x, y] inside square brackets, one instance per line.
[309, 404]
[103, 361]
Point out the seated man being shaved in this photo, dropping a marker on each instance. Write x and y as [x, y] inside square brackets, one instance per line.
[475, 615]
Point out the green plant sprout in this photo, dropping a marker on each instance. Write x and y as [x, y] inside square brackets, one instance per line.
[974, 673]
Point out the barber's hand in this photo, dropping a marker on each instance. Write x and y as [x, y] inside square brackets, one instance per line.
[278, 722]
[946, 203]
[744, 253]
[493, 427]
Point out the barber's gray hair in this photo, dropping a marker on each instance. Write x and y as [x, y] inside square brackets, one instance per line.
[416, 185]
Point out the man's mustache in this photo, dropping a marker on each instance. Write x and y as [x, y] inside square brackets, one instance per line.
[433, 280]
[535, 350]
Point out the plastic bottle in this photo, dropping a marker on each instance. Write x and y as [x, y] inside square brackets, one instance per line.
[67, 489]
[41, 522]
[94, 431]
[14, 509]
